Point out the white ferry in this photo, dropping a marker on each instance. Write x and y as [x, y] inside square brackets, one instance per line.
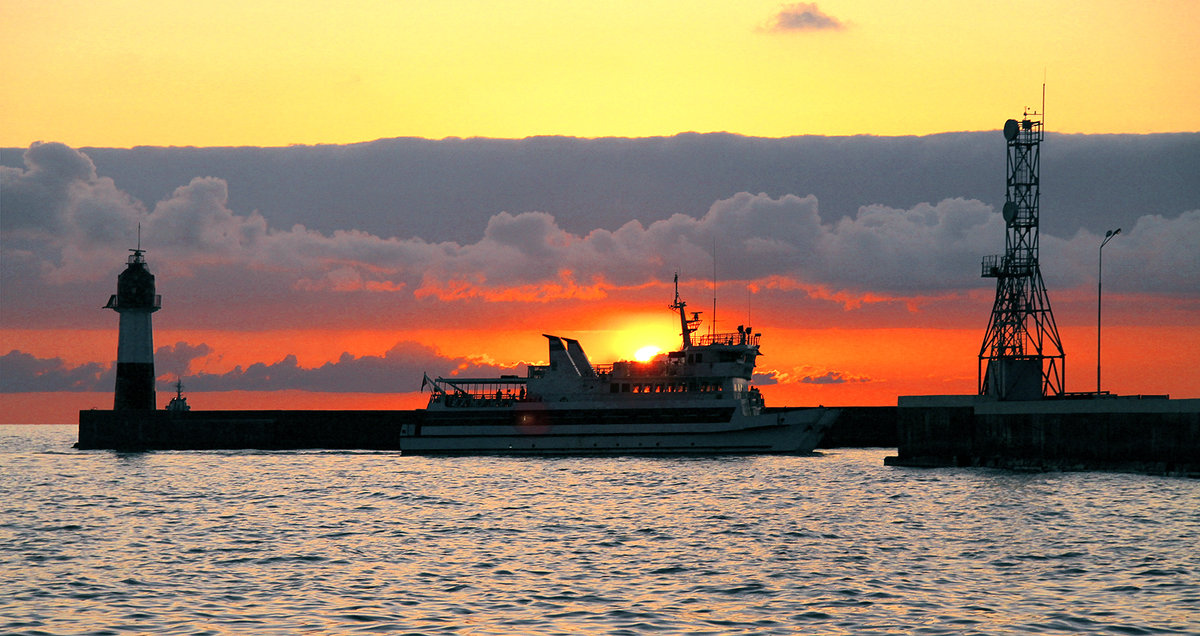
[697, 400]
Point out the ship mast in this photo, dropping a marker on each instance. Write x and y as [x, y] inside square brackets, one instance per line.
[687, 327]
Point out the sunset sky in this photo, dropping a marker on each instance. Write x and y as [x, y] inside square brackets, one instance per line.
[336, 197]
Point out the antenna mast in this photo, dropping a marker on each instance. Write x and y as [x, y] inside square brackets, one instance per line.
[1043, 113]
[1022, 356]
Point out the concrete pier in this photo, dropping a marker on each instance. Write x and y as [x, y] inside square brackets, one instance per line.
[1149, 435]
[263, 430]
[862, 427]
[362, 430]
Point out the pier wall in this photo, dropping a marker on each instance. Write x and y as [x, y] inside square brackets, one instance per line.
[1152, 435]
[363, 430]
[863, 427]
[265, 430]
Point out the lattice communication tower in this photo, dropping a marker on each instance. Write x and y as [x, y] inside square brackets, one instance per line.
[1022, 356]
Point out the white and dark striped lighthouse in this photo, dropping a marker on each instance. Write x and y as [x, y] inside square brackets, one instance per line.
[135, 300]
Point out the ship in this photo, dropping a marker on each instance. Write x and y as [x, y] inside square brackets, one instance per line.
[695, 400]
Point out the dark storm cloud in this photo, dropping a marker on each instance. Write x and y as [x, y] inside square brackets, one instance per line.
[803, 16]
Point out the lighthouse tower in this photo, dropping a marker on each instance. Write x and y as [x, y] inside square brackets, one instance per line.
[135, 300]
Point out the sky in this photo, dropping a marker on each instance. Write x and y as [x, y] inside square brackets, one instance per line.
[337, 199]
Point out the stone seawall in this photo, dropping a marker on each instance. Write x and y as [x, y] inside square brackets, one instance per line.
[363, 430]
[266, 430]
[1153, 435]
[862, 427]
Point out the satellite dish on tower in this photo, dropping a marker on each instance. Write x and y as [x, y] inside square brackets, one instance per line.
[1010, 210]
[1011, 127]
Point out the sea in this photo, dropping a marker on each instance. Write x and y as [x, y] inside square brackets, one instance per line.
[250, 542]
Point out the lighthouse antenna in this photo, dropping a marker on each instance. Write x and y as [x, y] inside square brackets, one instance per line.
[137, 253]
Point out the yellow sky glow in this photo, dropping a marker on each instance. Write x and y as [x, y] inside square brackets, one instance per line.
[123, 73]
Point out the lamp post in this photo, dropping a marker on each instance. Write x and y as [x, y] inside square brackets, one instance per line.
[1108, 236]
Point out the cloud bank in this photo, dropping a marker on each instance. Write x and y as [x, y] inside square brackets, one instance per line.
[398, 370]
[66, 224]
[447, 190]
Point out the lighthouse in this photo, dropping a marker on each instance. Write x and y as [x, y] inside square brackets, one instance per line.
[135, 300]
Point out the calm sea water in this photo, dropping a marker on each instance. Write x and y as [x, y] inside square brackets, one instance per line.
[335, 542]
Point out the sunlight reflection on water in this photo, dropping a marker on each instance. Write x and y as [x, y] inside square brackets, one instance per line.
[220, 542]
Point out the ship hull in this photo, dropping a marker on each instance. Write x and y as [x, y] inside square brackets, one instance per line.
[581, 431]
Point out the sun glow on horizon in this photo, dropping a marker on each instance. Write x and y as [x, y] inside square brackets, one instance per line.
[646, 353]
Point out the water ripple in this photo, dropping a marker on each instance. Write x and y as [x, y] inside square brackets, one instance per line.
[289, 542]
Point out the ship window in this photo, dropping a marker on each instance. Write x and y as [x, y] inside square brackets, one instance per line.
[625, 387]
[614, 387]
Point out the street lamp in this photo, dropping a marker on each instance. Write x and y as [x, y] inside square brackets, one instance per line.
[1108, 236]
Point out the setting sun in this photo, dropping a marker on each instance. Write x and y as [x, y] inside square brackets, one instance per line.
[646, 353]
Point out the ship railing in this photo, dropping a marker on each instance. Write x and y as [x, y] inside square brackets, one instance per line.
[479, 397]
[540, 370]
[476, 400]
[731, 338]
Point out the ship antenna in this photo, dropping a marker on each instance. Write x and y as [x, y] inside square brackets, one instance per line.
[712, 324]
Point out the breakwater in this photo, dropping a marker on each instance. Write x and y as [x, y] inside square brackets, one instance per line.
[262, 430]
[362, 430]
[862, 427]
[1150, 435]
